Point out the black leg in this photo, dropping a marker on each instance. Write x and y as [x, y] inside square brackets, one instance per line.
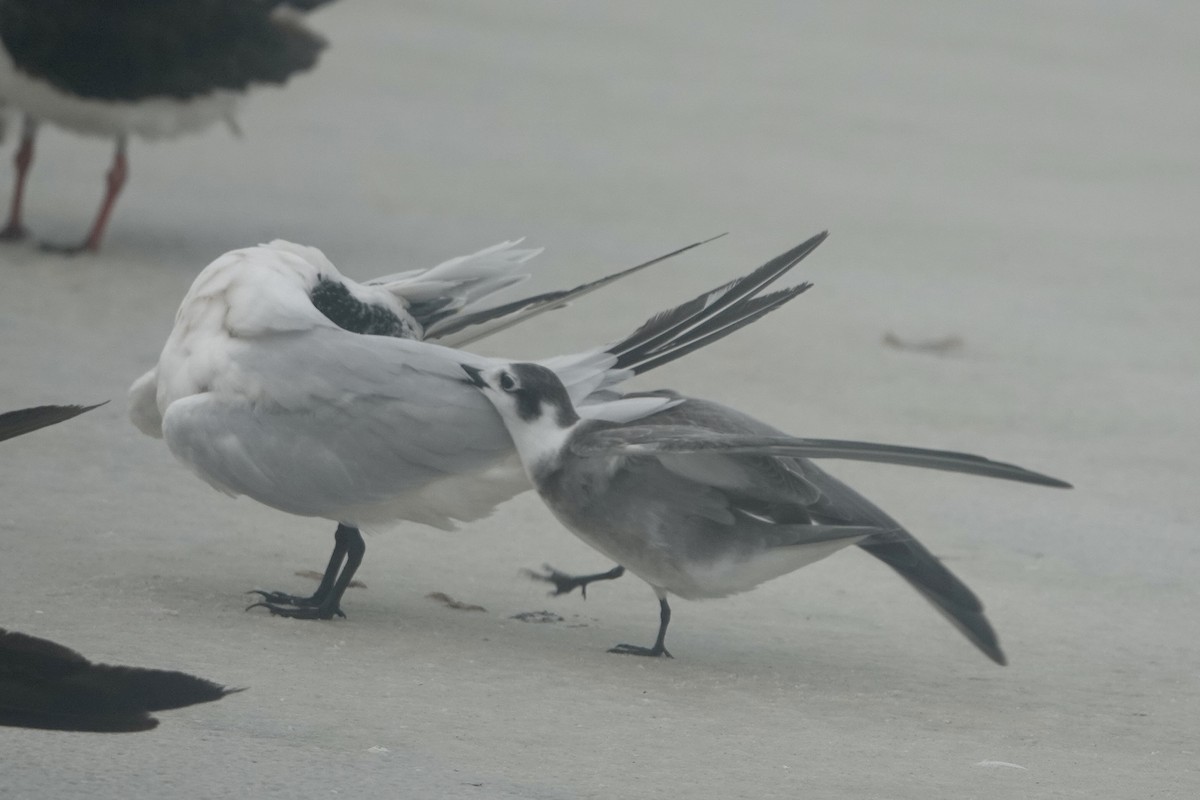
[325, 603]
[659, 649]
[564, 583]
[327, 580]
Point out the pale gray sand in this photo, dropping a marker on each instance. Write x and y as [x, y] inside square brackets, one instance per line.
[1025, 178]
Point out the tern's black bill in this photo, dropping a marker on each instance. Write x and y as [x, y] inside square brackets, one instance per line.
[475, 377]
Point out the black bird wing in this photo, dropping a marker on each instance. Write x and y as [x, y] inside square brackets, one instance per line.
[129, 50]
[27, 420]
[46, 685]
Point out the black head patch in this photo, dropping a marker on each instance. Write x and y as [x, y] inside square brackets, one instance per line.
[536, 386]
[346, 311]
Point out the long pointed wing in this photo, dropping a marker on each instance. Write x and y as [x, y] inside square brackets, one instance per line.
[27, 420]
[712, 315]
[46, 685]
[679, 439]
[705, 319]
[492, 320]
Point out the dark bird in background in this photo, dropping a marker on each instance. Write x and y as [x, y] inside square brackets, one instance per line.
[150, 68]
[45, 685]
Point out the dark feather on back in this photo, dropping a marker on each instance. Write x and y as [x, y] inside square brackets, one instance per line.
[137, 49]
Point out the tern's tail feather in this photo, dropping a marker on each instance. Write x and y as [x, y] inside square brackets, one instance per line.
[941, 588]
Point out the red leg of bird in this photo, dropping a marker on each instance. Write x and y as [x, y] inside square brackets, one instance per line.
[115, 180]
[113, 183]
[15, 230]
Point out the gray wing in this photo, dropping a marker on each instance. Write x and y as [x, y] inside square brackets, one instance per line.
[688, 535]
[836, 504]
[680, 439]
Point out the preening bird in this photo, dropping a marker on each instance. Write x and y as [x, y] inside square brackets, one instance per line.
[155, 69]
[703, 501]
[290, 383]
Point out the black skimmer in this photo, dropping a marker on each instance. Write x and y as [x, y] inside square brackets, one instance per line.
[149, 68]
[27, 420]
[45, 685]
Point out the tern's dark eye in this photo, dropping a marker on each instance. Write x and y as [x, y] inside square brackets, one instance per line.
[507, 383]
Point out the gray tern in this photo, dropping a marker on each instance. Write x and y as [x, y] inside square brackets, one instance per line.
[290, 383]
[703, 501]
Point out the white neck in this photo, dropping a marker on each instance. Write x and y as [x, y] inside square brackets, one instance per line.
[539, 443]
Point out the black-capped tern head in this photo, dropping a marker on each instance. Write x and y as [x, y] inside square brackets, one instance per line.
[535, 407]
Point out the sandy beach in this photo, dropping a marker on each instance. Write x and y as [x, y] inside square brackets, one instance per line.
[1020, 180]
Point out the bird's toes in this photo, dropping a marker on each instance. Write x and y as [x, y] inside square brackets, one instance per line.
[563, 583]
[283, 598]
[66, 249]
[297, 612]
[635, 650]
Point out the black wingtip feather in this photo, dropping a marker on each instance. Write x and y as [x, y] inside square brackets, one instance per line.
[555, 299]
[672, 325]
[745, 313]
[27, 420]
[713, 315]
[46, 685]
